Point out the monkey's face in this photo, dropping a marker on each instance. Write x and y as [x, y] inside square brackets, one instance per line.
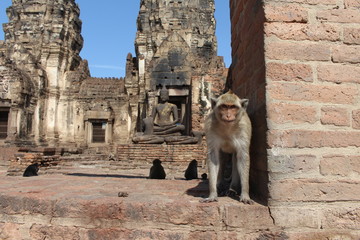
[228, 112]
[228, 108]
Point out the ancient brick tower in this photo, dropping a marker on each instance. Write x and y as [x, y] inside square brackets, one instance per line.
[42, 45]
[49, 98]
[176, 46]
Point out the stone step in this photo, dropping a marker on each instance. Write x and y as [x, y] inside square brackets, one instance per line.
[88, 207]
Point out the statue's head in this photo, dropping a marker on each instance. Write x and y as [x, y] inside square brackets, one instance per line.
[164, 94]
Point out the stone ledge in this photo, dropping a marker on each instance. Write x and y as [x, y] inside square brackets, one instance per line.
[79, 204]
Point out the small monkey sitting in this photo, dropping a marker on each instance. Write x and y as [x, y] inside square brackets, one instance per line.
[191, 171]
[31, 170]
[228, 129]
[157, 171]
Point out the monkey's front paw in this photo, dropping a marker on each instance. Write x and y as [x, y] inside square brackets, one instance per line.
[246, 200]
[209, 199]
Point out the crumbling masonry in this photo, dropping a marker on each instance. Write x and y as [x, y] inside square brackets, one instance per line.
[48, 97]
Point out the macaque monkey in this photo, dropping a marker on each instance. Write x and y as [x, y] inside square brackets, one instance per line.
[204, 176]
[191, 171]
[31, 170]
[157, 171]
[228, 129]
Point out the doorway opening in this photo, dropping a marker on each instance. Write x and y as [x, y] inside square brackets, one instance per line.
[98, 131]
[4, 118]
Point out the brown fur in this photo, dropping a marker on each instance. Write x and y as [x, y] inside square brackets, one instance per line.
[228, 129]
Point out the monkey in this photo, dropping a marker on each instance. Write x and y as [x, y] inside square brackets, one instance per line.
[228, 130]
[157, 171]
[191, 171]
[204, 176]
[31, 170]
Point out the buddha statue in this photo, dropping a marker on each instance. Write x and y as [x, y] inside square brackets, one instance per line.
[164, 124]
[165, 116]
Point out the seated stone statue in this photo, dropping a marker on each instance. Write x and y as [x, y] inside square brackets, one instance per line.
[163, 125]
[165, 116]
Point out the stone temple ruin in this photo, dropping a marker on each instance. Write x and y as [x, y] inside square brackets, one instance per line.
[296, 61]
[49, 99]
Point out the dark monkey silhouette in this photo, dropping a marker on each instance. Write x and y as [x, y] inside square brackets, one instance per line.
[191, 171]
[157, 171]
[31, 170]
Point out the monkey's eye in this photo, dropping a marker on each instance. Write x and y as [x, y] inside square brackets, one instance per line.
[228, 106]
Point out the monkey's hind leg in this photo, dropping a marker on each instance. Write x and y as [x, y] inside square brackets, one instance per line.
[243, 166]
[213, 165]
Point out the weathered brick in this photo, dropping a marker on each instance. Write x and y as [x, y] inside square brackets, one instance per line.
[287, 216]
[355, 164]
[341, 217]
[38, 232]
[312, 92]
[175, 213]
[335, 116]
[356, 119]
[286, 163]
[211, 235]
[244, 217]
[335, 165]
[313, 139]
[284, 50]
[291, 113]
[338, 73]
[314, 190]
[339, 15]
[352, 3]
[321, 234]
[301, 31]
[289, 72]
[285, 13]
[347, 54]
[352, 35]
[314, 2]
[166, 153]
[11, 231]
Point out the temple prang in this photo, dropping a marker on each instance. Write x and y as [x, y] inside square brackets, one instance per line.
[49, 98]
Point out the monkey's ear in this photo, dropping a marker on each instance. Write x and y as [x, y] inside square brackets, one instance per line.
[244, 103]
[213, 102]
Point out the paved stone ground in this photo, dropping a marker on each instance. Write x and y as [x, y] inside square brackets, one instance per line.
[86, 206]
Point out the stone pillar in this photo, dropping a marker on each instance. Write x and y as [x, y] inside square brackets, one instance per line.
[13, 124]
[109, 131]
[298, 63]
[51, 118]
[88, 132]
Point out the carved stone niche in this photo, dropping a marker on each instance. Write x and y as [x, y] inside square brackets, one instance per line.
[98, 127]
[170, 119]
[179, 97]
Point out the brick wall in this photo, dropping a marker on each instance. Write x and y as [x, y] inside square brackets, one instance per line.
[172, 156]
[247, 79]
[311, 110]
[6, 153]
[168, 153]
[21, 158]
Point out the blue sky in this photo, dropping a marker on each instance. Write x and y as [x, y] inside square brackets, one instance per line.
[109, 32]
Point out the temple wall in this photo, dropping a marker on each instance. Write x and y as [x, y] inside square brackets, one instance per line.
[297, 62]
